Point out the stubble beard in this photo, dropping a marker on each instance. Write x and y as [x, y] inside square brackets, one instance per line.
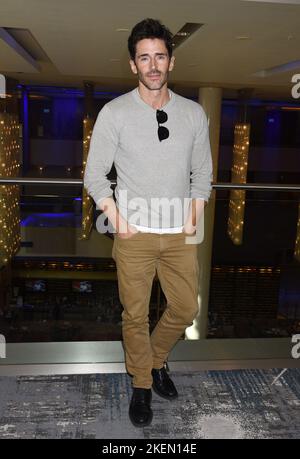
[155, 85]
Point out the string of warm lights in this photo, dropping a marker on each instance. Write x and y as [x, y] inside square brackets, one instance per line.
[10, 235]
[297, 243]
[87, 203]
[238, 175]
[247, 269]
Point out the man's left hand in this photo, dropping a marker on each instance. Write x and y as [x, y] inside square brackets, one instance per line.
[189, 230]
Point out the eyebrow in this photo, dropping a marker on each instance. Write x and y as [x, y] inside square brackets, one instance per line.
[156, 54]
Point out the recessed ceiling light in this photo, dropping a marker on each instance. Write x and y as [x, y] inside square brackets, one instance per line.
[122, 30]
[242, 37]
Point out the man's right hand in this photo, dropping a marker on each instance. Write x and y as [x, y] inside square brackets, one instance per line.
[131, 231]
[108, 207]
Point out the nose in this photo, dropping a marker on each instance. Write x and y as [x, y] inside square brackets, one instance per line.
[153, 63]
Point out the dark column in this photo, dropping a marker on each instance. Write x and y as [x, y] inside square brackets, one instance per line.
[244, 95]
[89, 109]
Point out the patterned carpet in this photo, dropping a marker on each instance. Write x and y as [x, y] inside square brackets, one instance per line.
[212, 404]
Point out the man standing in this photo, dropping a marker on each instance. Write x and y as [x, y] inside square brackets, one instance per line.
[159, 143]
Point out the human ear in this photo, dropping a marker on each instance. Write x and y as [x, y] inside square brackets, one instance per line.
[133, 66]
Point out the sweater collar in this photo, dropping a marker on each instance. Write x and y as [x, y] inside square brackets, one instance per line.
[136, 95]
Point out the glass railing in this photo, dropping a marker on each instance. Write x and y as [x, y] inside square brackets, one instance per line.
[255, 271]
[61, 288]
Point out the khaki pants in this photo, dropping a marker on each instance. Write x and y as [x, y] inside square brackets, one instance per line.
[137, 259]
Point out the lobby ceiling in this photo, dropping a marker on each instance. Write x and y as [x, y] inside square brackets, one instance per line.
[242, 44]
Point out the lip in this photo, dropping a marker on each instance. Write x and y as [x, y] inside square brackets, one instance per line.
[154, 77]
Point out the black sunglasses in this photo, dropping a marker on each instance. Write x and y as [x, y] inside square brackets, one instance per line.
[163, 132]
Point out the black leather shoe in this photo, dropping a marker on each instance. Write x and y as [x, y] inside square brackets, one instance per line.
[140, 412]
[163, 385]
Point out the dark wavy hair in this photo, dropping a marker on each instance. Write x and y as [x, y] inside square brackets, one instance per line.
[149, 28]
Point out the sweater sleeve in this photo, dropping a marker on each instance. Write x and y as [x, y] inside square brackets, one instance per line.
[201, 162]
[103, 147]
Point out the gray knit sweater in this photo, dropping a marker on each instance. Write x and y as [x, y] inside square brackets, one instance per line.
[178, 168]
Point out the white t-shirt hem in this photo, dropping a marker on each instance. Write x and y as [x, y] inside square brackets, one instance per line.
[146, 229]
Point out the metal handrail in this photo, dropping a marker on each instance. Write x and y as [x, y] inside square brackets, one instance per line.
[216, 186]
